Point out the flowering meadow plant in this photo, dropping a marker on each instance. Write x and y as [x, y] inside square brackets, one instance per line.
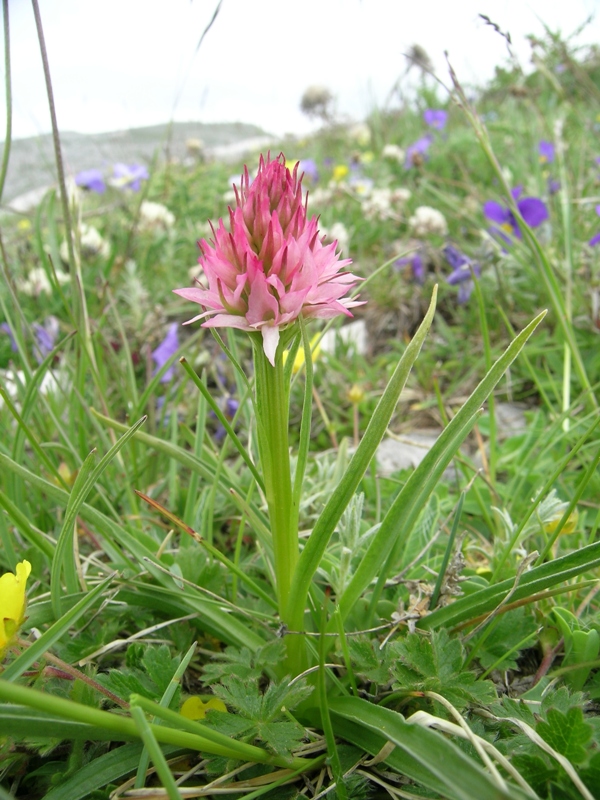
[291, 564]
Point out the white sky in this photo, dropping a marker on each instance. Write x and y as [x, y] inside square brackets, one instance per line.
[121, 63]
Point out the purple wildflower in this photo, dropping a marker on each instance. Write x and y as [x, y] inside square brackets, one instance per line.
[91, 179]
[532, 209]
[129, 176]
[229, 407]
[415, 262]
[417, 152]
[45, 337]
[4, 326]
[309, 167]
[546, 150]
[595, 239]
[463, 269]
[553, 186]
[435, 118]
[165, 350]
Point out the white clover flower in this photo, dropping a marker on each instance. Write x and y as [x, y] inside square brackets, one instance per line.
[37, 283]
[378, 205]
[394, 153]
[15, 382]
[428, 220]
[384, 203]
[155, 216]
[322, 196]
[400, 196]
[91, 242]
[360, 133]
[362, 186]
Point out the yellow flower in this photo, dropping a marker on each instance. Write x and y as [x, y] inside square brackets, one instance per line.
[315, 350]
[195, 708]
[12, 602]
[356, 394]
[569, 525]
[340, 171]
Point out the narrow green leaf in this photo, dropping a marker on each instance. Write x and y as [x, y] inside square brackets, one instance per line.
[223, 420]
[124, 728]
[64, 557]
[24, 722]
[165, 701]
[86, 479]
[406, 508]
[53, 634]
[24, 526]
[311, 556]
[213, 619]
[421, 754]
[536, 580]
[108, 768]
[156, 754]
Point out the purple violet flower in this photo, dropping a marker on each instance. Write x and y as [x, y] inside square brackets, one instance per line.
[45, 337]
[229, 407]
[129, 176]
[532, 209]
[546, 150]
[595, 239]
[416, 263]
[553, 186]
[435, 118]
[417, 152]
[309, 167]
[461, 274]
[92, 180]
[164, 351]
[4, 326]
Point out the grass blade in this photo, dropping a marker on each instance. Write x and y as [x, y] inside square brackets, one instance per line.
[421, 754]
[406, 508]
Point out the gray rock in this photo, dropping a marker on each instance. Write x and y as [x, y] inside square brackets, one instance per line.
[404, 452]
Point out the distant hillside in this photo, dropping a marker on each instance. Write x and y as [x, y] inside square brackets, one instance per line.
[32, 160]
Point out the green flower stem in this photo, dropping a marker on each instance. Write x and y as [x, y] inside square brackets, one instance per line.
[232, 748]
[156, 754]
[125, 729]
[272, 387]
[272, 408]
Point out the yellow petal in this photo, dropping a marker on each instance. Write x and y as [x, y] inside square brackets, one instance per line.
[216, 704]
[12, 601]
[569, 526]
[195, 708]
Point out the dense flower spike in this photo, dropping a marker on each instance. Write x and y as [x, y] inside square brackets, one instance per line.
[272, 266]
[12, 602]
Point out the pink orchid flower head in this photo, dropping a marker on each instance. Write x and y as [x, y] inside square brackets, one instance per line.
[271, 266]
